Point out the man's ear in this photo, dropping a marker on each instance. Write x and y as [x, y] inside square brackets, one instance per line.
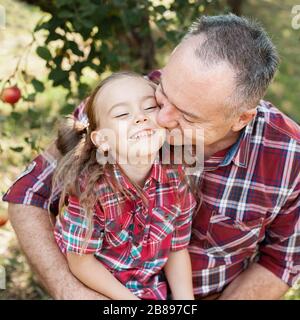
[243, 119]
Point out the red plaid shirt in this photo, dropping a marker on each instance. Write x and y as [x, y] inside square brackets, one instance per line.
[134, 244]
[251, 203]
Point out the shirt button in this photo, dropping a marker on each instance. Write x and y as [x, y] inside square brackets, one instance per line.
[98, 233]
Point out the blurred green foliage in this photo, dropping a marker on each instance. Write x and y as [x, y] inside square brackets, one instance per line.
[111, 35]
[276, 17]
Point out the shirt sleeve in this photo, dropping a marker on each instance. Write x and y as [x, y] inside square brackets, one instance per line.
[72, 233]
[33, 186]
[280, 250]
[183, 224]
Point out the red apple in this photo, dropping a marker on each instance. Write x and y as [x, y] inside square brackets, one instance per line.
[3, 218]
[11, 95]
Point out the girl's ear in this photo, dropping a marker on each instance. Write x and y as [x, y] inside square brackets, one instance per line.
[99, 141]
[95, 138]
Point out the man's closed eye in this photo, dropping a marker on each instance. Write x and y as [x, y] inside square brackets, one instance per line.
[189, 121]
[152, 108]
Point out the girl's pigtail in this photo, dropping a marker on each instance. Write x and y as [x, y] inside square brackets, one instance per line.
[71, 142]
[70, 132]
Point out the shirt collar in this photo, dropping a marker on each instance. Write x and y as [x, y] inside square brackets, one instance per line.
[230, 155]
[157, 173]
[241, 156]
[239, 151]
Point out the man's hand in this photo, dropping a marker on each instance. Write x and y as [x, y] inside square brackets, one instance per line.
[35, 233]
[255, 283]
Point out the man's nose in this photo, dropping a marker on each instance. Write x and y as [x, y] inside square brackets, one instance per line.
[168, 116]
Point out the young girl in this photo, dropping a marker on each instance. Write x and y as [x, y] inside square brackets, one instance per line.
[126, 223]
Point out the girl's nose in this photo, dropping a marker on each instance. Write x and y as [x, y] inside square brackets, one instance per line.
[140, 118]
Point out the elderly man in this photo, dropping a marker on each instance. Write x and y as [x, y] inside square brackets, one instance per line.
[246, 236]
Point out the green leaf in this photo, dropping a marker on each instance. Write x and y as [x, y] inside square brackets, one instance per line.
[87, 23]
[38, 85]
[33, 114]
[83, 89]
[61, 3]
[16, 116]
[172, 36]
[78, 66]
[40, 26]
[58, 60]
[31, 140]
[16, 149]
[35, 125]
[58, 76]
[44, 53]
[74, 47]
[53, 36]
[161, 9]
[30, 97]
[65, 14]
[67, 109]
[161, 42]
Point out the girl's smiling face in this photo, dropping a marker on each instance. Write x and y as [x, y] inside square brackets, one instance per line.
[126, 111]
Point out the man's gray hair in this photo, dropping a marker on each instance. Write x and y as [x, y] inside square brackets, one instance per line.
[245, 46]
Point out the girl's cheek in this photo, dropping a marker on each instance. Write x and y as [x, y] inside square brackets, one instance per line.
[122, 129]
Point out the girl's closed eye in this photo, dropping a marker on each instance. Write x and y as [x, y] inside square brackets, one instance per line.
[121, 115]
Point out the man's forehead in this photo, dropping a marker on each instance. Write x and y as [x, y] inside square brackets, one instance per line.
[192, 75]
[198, 91]
[183, 85]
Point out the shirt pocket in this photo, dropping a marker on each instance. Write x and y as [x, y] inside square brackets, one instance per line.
[227, 235]
[116, 231]
[162, 222]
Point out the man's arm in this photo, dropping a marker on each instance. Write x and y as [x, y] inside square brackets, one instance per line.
[35, 233]
[255, 283]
